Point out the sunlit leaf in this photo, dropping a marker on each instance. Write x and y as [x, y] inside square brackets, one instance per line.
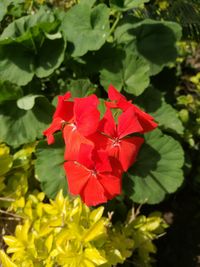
[157, 171]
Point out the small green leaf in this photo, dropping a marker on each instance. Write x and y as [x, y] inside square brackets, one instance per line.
[157, 171]
[27, 102]
[86, 28]
[130, 72]
[49, 166]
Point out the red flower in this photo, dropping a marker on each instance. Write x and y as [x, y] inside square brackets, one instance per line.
[77, 119]
[120, 101]
[63, 113]
[93, 177]
[85, 122]
[114, 138]
[98, 152]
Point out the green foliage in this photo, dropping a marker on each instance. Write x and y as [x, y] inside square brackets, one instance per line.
[188, 92]
[185, 12]
[16, 169]
[40, 48]
[46, 51]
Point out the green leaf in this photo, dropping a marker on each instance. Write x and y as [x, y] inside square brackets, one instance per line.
[157, 171]
[31, 46]
[27, 102]
[126, 4]
[19, 126]
[154, 103]
[155, 40]
[16, 64]
[86, 28]
[80, 88]
[130, 72]
[3, 8]
[9, 91]
[49, 166]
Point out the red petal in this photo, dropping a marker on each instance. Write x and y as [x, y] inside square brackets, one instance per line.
[64, 108]
[145, 120]
[121, 100]
[73, 139]
[77, 176]
[128, 123]
[128, 150]
[102, 161]
[87, 115]
[85, 155]
[56, 125]
[99, 140]
[107, 124]
[111, 183]
[94, 193]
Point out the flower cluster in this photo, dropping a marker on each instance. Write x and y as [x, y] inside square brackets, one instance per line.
[98, 150]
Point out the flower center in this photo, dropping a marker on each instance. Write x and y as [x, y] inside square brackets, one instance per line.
[116, 141]
[94, 173]
[73, 125]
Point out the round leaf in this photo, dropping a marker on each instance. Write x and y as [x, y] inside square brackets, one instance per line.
[157, 171]
[130, 72]
[86, 28]
[151, 38]
[19, 126]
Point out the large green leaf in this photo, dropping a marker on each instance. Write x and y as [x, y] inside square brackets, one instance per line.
[30, 46]
[154, 103]
[126, 4]
[155, 40]
[130, 72]
[49, 166]
[157, 171]
[86, 28]
[19, 126]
